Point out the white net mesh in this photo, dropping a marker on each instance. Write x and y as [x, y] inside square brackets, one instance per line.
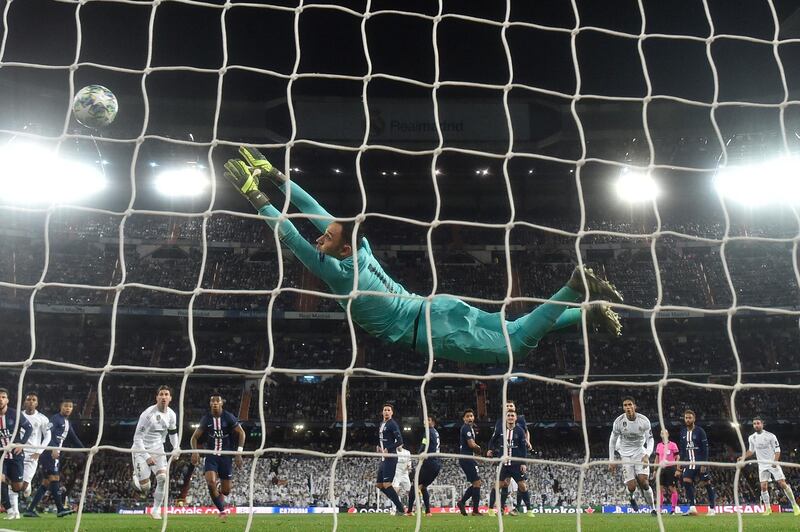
[516, 149]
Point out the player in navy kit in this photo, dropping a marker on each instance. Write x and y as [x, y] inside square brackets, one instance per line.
[218, 426]
[693, 445]
[497, 437]
[429, 469]
[62, 432]
[468, 446]
[14, 459]
[389, 440]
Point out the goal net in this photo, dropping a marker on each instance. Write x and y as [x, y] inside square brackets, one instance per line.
[485, 150]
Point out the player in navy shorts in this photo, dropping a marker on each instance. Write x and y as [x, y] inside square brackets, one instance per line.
[218, 428]
[467, 446]
[429, 469]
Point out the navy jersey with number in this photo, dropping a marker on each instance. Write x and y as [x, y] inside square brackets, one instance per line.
[389, 436]
[468, 432]
[8, 422]
[693, 444]
[432, 445]
[63, 432]
[219, 431]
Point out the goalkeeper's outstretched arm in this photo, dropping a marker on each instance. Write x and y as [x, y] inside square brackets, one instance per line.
[297, 196]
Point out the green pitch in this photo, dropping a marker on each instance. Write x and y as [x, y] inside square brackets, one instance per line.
[386, 523]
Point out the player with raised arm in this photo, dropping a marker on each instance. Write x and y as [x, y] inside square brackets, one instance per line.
[635, 435]
[666, 455]
[62, 434]
[389, 442]
[459, 331]
[156, 423]
[512, 442]
[39, 439]
[468, 446]
[765, 446]
[12, 431]
[429, 469]
[218, 426]
[693, 445]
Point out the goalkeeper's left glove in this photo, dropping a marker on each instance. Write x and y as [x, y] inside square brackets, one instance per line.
[257, 161]
[246, 182]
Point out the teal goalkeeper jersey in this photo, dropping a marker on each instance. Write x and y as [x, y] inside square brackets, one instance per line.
[391, 317]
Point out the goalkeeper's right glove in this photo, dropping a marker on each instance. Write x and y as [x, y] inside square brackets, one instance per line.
[245, 180]
[257, 161]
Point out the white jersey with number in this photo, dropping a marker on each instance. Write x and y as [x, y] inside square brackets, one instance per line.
[764, 445]
[40, 432]
[153, 428]
[631, 438]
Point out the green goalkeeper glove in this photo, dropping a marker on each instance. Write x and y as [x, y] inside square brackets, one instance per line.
[245, 179]
[264, 168]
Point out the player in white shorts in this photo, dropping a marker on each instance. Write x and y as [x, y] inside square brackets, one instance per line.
[402, 480]
[155, 424]
[40, 438]
[635, 436]
[765, 446]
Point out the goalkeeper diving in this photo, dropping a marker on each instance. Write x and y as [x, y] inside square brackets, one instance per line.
[459, 331]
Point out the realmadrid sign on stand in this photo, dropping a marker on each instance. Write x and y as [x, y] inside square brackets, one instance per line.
[95, 106]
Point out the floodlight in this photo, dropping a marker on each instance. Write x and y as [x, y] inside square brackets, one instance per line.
[186, 181]
[636, 187]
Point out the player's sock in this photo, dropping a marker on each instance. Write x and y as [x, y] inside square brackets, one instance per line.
[4, 495]
[158, 496]
[13, 498]
[55, 493]
[412, 498]
[525, 332]
[712, 496]
[426, 498]
[689, 486]
[466, 496]
[790, 495]
[392, 495]
[37, 498]
[219, 503]
[765, 498]
[476, 499]
[673, 498]
[648, 496]
[661, 497]
[503, 497]
[632, 500]
[519, 499]
[492, 497]
[526, 498]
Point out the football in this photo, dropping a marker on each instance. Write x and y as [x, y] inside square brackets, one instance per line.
[95, 106]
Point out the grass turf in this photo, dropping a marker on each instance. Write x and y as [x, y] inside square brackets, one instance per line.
[386, 523]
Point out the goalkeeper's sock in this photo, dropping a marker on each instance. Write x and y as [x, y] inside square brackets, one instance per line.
[526, 498]
[765, 498]
[790, 495]
[712, 496]
[13, 498]
[648, 496]
[4, 496]
[426, 498]
[689, 486]
[503, 498]
[55, 493]
[492, 497]
[37, 498]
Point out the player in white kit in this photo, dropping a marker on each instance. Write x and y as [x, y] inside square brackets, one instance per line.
[765, 446]
[402, 480]
[635, 436]
[155, 424]
[40, 438]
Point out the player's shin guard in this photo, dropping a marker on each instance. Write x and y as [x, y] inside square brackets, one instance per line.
[712, 496]
[426, 499]
[37, 498]
[55, 493]
[391, 494]
[158, 496]
[689, 487]
[4, 496]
